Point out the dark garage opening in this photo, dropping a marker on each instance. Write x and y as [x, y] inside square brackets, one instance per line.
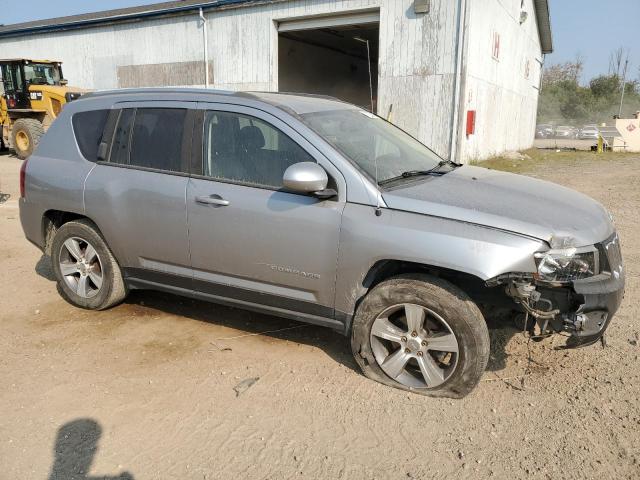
[330, 61]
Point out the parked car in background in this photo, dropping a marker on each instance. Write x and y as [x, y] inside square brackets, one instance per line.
[544, 131]
[316, 210]
[565, 131]
[589, 132]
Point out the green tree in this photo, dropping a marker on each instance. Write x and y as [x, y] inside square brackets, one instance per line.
[564, 101]
[605, 85]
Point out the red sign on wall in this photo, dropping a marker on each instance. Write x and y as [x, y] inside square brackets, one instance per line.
[471, 122]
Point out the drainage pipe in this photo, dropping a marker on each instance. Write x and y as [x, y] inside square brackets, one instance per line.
[206, 49]
[457, 105]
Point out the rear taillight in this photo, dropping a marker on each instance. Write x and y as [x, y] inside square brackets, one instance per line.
[23, 171]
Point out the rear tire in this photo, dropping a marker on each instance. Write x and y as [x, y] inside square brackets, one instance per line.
[88, 275]
[25, 136]
[422, 334]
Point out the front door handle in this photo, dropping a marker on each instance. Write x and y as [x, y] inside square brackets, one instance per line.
[215, 200]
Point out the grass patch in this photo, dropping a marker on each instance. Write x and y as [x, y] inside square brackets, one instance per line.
[539, 158]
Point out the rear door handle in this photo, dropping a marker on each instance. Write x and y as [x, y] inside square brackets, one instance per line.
[215, 200]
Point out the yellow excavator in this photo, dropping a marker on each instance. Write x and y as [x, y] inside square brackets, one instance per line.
[32, 94]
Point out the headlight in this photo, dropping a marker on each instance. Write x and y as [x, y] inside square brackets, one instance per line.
[567, 264]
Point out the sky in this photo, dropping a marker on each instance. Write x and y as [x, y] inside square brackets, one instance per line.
[590, 28]
[593, 29]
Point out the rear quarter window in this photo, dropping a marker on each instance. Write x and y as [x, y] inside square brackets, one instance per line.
[88, 128]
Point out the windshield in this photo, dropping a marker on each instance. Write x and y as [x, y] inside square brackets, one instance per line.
[371, 142]
[42, 74]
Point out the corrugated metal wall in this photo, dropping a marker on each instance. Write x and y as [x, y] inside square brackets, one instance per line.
[416, 59]
[416, 63]
[504, 90]
[91, 56]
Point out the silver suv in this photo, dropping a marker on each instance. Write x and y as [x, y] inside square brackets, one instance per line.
[315, 210]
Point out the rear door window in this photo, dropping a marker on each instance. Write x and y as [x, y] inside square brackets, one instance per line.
[156, 141]
[88, 128]
[150, 138]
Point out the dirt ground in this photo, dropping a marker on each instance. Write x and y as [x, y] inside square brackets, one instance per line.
[146, 390]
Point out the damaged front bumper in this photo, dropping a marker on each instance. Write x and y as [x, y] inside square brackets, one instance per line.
[583, 308]
[602, 296]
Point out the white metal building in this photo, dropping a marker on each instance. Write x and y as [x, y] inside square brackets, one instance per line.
[460, 75]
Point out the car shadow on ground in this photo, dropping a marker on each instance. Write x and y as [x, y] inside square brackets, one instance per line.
[333, 343]
[44, 268]
[76, 446]
[247, 322]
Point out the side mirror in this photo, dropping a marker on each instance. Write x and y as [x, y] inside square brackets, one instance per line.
[306, 177]
[64, 82]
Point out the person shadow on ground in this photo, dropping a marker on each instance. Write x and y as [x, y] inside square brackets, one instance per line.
[76, 445]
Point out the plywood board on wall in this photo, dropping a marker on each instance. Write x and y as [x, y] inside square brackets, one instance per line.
[163, 74]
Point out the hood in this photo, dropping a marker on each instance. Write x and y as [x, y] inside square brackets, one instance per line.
[506, 201]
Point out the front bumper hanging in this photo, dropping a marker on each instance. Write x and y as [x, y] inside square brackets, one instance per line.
[583, 309]
[602, 296]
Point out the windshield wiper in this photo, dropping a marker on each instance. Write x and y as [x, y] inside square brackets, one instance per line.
[418, 173]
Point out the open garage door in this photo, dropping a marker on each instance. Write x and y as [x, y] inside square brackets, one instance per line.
[336, 56]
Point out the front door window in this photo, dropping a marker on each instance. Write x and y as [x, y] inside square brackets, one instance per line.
[244, 149]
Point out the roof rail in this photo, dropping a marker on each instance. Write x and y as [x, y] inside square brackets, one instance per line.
[152, 90]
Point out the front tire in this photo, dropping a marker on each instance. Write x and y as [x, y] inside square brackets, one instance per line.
[423, 334]
[88, 275]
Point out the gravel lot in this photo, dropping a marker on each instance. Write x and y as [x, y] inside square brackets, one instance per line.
[146, 389]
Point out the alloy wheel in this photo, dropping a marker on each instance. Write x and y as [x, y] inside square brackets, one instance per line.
[81, 267]
[414, 345]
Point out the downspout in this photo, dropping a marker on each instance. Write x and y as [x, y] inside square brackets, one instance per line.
[541, 63]
[206, 49]
[457, 86]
